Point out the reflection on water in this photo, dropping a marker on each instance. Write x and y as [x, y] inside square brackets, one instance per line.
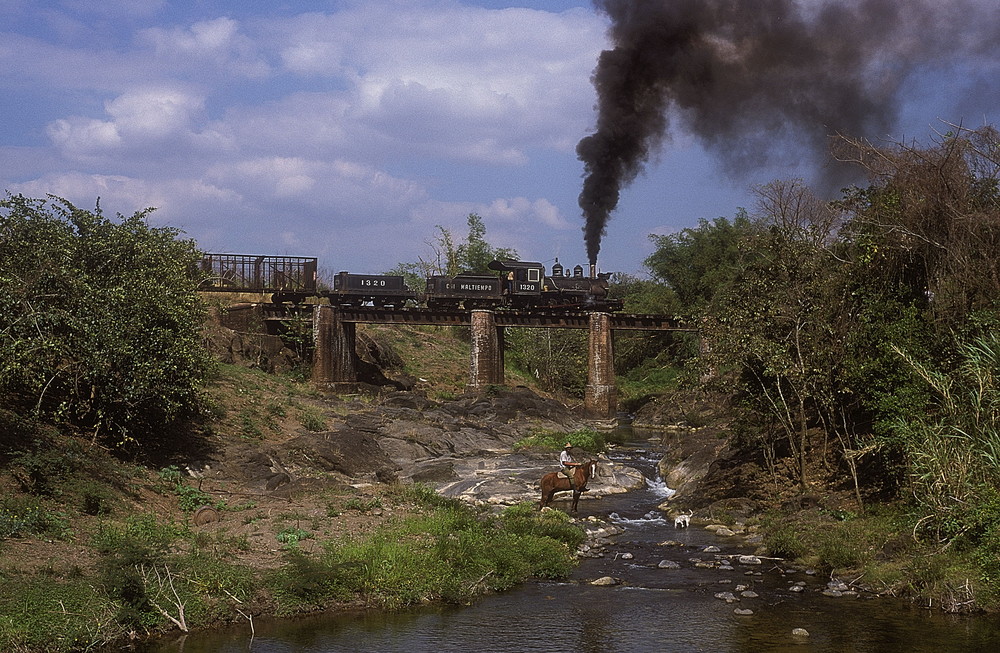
[654, 609]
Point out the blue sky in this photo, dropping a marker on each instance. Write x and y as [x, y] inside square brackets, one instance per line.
[349, 130]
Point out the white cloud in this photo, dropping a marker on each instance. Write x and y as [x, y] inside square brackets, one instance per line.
[347, 188]
[217, 43]
[524, 211]
[155, 113]
[80, 137]
[145, 123]
[462, 82]
[127, 194]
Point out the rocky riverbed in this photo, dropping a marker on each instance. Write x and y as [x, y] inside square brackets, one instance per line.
[463, 448]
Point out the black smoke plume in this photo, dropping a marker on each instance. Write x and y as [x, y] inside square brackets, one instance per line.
[750, 77]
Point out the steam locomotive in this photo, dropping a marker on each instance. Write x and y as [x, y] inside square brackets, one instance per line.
[519, 285]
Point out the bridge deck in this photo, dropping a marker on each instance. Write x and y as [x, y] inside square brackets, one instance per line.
[543, 319]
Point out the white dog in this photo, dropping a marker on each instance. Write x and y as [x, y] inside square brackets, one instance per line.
[682, 521]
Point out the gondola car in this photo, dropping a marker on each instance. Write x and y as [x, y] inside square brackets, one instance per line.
[379, 290]
[465, 290]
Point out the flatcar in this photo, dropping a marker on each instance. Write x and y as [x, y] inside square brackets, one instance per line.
[379, 290]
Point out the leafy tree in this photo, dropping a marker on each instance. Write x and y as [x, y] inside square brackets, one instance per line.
[777, 321]
[99, 320]
[449, 257]
[696, 262]
[924, 255]
[639, 348]
[475, 254]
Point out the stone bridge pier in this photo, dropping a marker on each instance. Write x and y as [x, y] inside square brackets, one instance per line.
[601, 394]
[335, 359]
[486, 367]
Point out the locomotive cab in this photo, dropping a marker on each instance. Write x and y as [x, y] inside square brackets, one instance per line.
[522, 283]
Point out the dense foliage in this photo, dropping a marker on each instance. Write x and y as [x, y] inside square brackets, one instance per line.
[99, 320]
[858, 334]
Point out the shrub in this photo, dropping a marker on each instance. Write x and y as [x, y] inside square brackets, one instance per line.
[125, 551]
[306, 582]
[524, 520]
[783, 540]
[312, 420]
[22, 516]
[291, 536]
[101, 320]
[452, 553]
[362, 505]
[587, 439]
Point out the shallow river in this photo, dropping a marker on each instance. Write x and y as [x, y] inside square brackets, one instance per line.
[654, 609]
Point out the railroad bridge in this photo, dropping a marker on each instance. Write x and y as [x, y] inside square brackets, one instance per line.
[335, 356]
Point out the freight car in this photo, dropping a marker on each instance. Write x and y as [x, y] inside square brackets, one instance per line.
[379, 290]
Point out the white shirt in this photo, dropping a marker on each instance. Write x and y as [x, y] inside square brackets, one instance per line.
[565, 457]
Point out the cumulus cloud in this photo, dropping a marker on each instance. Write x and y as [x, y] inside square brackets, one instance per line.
[525, 211]
[345, 188]
[79, 137]
[142, 124]
[155, 112]
[217, 43]
[462, 81]
[171, 197]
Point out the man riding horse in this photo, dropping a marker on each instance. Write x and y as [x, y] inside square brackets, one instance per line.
[571, 476]
[568, 464]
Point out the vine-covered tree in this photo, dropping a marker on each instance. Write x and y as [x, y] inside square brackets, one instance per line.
[100, 321]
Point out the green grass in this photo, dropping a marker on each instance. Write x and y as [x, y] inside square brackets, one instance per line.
[445, 551]
[41, 613]
[452, 553]
[312, 419]
[22, 516]
[189, 498]
[586, 439]
[885, 549]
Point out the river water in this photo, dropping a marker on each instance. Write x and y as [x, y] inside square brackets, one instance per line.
[652, 609]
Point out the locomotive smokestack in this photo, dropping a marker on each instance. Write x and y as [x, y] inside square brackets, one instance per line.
[753, 79]
[593, 270]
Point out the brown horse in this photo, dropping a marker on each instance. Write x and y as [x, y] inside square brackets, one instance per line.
[555, 482]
